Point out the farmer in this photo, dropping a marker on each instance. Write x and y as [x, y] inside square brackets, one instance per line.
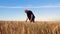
[30, 15]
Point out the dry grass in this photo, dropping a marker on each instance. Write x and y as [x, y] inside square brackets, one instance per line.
[16, 27]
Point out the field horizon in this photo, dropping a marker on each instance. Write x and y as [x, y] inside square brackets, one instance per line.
[21, 27]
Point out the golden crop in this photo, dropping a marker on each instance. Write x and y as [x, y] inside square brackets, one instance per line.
[18, 27]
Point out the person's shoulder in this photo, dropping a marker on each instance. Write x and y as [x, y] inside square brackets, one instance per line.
[30, 11]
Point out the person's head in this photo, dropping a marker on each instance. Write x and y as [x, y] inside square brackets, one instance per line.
[25, 10]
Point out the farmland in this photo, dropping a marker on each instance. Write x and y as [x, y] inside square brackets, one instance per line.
[21, 27]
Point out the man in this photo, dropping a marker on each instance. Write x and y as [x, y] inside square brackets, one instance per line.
[30, 15]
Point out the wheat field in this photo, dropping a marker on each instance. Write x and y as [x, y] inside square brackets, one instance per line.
[19, 27]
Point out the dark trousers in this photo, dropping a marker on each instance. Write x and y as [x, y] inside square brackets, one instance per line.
[33, 20]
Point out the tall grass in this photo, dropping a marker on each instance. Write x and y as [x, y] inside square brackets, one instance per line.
[16, 27]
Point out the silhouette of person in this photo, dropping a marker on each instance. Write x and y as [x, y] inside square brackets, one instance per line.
[30, 15]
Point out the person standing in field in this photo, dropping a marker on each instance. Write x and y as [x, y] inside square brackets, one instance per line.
[30, 15]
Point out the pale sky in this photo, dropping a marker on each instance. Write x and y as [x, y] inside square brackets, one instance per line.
[44, 10]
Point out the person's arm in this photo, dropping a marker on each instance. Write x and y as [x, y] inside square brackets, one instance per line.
[26, 19]
[31, 17]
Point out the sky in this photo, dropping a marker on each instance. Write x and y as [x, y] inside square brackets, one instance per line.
[44, 10]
